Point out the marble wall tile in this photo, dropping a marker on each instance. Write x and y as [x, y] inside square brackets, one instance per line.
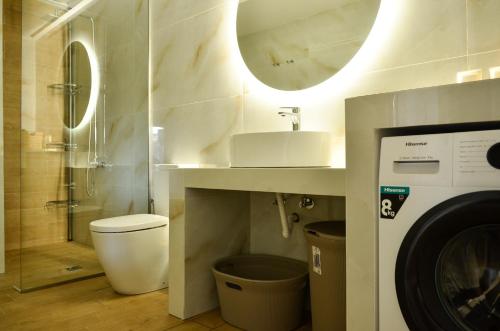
[483, 27]
[261, 115]
[199, 132]
[193, 61]
[117, 175]
[409, 77]
[120, 136]
[119, 201]
[119, 82]
[427, 30]
[168, 12]
[265, 226]
[141, 150]
[140, 84]
[160, 190]
[485, 61]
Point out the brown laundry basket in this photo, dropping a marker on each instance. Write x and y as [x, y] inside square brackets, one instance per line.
[327, 275]
[261, 292]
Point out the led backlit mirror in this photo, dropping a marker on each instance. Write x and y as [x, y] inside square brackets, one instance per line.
[295, 44]
[81, 87]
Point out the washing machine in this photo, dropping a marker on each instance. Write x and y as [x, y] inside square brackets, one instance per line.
[439, 232]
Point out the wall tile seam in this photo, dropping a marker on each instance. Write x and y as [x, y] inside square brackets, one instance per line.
[182, 20]
[405, 66]
[165, 108]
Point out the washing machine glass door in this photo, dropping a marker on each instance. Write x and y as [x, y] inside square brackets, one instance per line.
[448, 266]
[468, 278]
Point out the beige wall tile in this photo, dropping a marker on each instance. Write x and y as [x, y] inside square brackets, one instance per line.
[199, 132]
[483, 27]
[192, 61]
[168, 12]
[426, 30]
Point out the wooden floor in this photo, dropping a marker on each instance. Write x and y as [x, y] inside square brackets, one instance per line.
[45, 265]
[85, 304]
[93, 305]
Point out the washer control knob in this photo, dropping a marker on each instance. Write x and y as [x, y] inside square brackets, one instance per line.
[493, 156]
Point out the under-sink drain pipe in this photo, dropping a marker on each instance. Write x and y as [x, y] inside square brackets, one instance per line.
[285, 227]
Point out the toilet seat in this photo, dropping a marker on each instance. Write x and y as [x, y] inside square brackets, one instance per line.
[128, 223]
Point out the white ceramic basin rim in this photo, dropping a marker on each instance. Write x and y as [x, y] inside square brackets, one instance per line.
[281, 149]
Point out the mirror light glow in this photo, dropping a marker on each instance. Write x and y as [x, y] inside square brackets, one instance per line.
[384, 23]
[94, 88]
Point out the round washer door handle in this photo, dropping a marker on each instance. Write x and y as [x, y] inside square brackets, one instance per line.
[493, 156]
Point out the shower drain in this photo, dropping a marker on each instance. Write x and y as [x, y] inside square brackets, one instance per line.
[74, 268]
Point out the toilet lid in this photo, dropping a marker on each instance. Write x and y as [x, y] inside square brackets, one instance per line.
[128, 223]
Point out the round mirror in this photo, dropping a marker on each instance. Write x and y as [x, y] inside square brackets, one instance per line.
[295, 44]
[81, 87]
[78, 81]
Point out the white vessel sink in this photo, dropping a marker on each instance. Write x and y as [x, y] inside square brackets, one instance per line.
[280, 149]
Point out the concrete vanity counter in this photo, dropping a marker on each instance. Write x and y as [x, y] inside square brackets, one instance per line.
[321, 181]
[209, 210]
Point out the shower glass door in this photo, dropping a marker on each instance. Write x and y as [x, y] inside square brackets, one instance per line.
[84, 131]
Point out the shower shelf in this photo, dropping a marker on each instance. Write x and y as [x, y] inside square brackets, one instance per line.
[60, 147]
[62, 204]
[66, 88]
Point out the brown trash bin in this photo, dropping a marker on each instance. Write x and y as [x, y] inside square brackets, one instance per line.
[261, 292]
[327, 274]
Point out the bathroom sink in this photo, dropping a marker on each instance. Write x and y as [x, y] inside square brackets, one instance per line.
[280, 149]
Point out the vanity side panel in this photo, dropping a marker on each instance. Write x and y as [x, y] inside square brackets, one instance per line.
[177, 247]
[217, 226]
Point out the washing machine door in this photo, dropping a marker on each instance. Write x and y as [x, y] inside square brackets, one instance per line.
[448, 266]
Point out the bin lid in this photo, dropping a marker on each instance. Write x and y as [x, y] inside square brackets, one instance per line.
[328, 229]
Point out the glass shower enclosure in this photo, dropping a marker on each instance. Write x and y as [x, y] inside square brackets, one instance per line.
[83, 132]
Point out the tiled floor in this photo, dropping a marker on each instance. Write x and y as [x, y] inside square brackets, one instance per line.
[43, 265]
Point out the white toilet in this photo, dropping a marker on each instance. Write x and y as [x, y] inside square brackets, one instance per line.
[133, 251]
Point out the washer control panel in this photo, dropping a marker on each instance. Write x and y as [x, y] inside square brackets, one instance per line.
[424, 160]
[476, 158]
[470, 159]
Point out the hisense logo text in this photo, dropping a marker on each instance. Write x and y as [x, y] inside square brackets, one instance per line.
[416, 144]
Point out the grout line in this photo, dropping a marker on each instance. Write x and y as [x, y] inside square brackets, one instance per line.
[434, 61]
[205, 11]
[167, 108]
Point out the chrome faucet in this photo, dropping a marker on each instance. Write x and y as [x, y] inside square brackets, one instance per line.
[295, 116]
